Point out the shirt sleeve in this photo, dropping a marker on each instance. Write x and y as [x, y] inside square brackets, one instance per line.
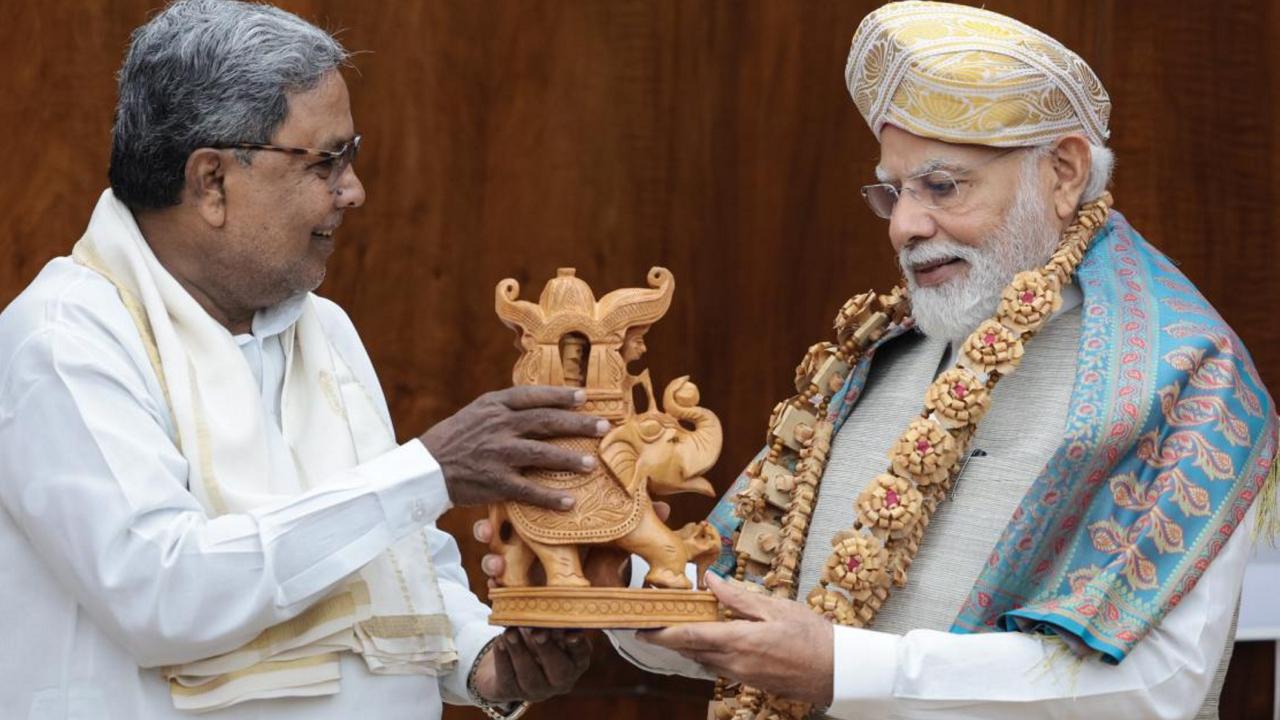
[1015, 675]
[92, 477]
[650, 657]
[468, 616]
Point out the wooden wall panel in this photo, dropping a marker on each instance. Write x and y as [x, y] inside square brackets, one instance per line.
[716, 138]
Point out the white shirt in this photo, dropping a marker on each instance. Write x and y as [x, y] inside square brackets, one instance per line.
[111, 568]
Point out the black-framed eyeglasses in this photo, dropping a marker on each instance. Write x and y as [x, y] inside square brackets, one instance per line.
[935, 189]
[333, 162]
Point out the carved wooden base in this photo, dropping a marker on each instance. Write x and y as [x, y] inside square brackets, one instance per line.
[600, 607]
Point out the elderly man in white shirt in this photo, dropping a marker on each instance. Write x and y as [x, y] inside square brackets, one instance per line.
[205, 509]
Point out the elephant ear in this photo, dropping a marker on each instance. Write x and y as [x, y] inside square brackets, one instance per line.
[620, 453]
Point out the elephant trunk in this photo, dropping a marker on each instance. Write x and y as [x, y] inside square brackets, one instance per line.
[701, 435]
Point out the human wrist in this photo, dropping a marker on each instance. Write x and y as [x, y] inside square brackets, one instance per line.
[481, 686]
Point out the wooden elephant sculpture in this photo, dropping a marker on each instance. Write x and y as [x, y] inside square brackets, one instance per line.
[654, 452]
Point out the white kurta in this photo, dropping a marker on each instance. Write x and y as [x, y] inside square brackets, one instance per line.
[911, 667]
[111, 568]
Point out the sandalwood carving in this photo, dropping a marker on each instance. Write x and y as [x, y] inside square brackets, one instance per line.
[656, 447]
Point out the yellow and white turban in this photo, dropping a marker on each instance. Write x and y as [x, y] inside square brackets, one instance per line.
[966, 75]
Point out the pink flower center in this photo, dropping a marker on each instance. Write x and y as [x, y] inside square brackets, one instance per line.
[959, 390]
[891, 499]
[989, 339]
[854, 563]
[922, 446]
[1028, 296]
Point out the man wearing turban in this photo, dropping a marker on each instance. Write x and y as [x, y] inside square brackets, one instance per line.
[1075, 438]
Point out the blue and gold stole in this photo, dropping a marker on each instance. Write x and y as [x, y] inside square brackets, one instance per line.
[1169, 440]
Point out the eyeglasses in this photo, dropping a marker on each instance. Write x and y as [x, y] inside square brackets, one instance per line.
[333, 163]
[934, 189]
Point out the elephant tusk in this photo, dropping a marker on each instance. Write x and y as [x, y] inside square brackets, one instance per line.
[699, 485]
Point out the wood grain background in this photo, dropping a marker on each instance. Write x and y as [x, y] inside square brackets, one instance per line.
[715, 138]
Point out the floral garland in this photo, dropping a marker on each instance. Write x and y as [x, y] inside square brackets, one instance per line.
[895, 508]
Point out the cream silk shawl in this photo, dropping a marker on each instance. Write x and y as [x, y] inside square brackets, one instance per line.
[390, 612]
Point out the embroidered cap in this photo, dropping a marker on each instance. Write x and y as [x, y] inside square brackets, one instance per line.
[966, 75]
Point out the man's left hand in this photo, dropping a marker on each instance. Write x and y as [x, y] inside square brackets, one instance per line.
[777, 645]
[532, 664]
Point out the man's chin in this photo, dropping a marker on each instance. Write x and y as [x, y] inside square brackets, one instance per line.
[313, 272]
[317, 281]
[303, 283]
[948, 312]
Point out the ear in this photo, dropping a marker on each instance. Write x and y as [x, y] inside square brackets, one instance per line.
[620, 454]
[1070, 162]
[206, 186]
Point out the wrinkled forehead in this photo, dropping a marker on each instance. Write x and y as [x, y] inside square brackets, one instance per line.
[904, 154]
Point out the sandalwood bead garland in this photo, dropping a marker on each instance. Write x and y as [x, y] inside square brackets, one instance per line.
[925, 453]
[993, 348]
[890, 505]
[858, 565]
[1028, 302]
[957, 398]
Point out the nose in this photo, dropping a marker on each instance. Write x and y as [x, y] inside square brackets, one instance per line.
[350, 191]
[910, 222]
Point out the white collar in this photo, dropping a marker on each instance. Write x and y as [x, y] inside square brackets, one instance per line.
[277, 318]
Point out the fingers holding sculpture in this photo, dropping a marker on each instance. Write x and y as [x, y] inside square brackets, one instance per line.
[551, 423]
[483, 447]
[778, 645]
[531, 664]
[561, 662]
[529, 397]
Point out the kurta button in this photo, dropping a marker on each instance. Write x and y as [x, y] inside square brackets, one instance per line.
[419, 512]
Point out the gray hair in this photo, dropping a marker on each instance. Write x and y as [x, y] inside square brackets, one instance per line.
[1102, 162]
[205, 73]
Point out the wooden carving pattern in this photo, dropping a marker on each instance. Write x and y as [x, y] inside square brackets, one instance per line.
[602, 511]
[569, 338]
[600, 607]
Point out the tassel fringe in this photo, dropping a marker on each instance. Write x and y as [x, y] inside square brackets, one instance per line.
[1060, 657]
[1267, 525]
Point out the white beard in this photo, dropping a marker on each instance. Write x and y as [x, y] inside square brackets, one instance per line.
[955, 308]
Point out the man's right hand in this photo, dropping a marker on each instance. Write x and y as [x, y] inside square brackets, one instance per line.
[484, 446]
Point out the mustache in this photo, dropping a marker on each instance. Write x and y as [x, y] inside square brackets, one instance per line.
[932, 251]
